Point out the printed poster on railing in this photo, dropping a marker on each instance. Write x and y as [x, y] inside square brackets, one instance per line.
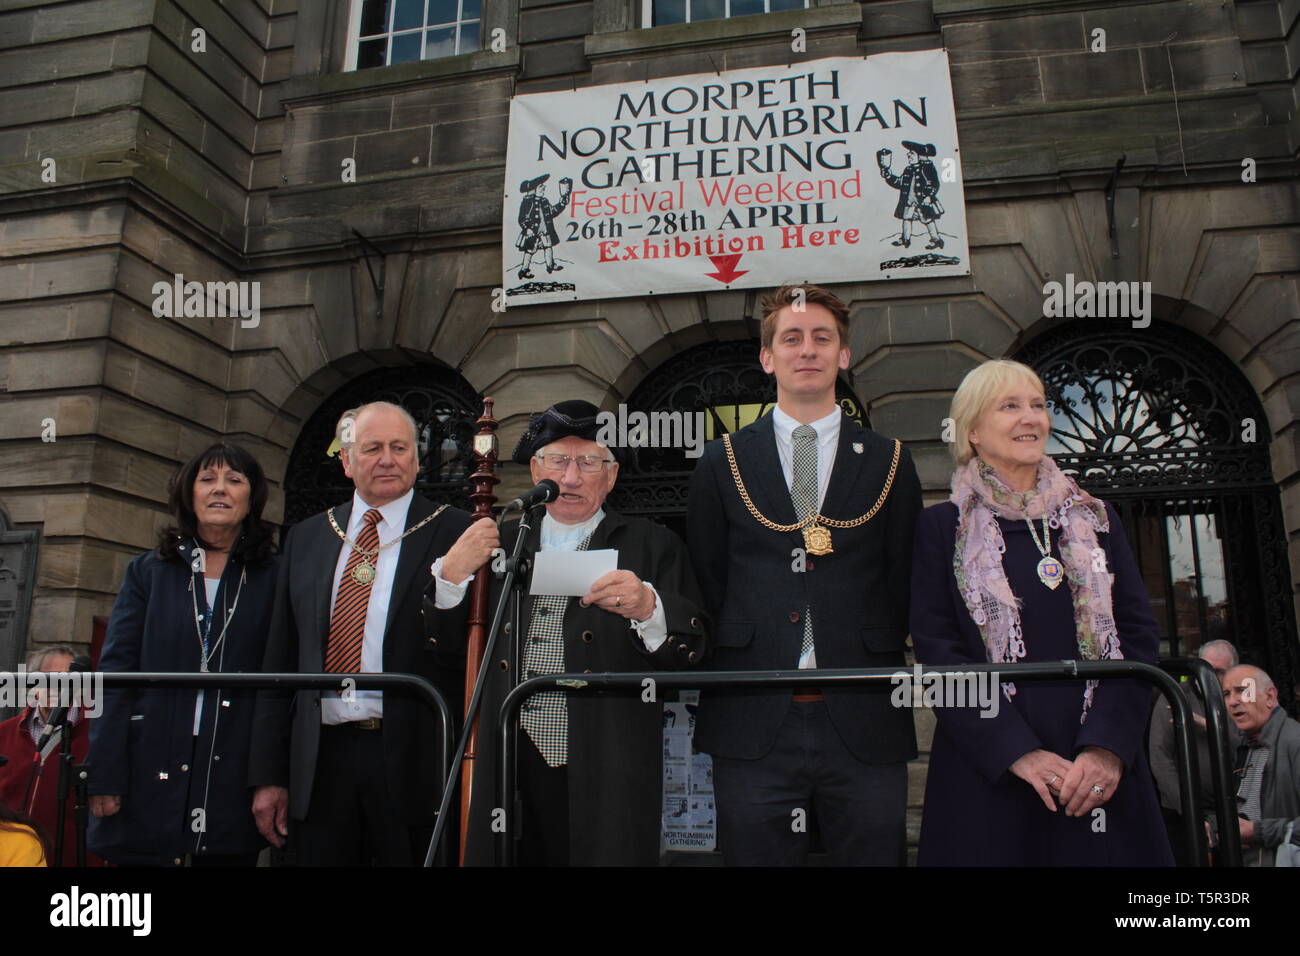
[690, 819]
[843, 169]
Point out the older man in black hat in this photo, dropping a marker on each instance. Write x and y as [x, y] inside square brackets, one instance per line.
[589, 767]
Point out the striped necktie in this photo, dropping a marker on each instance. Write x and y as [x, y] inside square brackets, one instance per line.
[803, 491]
[348, 623]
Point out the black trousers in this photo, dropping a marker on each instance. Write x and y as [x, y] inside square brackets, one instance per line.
[350, 821]
[544, 793]
[764, 804]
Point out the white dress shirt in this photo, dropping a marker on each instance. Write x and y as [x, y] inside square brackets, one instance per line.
[828, 441]
[368, 703]
[557, 536]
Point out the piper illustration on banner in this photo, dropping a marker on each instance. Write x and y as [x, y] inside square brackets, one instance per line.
[834, 170]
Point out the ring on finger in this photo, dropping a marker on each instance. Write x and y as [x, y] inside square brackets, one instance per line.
[618, 602]
[1099, 791]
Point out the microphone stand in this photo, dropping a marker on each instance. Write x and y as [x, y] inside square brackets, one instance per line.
[67, 771]
[81, 809]
[512, 580]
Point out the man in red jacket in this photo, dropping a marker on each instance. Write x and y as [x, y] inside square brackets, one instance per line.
[18, 738]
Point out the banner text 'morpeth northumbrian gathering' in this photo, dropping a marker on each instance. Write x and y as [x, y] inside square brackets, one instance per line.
[831, 170]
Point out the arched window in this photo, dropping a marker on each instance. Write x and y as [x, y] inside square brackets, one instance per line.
[444, 407]
[1162, 425]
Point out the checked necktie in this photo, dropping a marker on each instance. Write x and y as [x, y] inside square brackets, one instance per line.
[348, 624]
[545, 716]
[803, 491]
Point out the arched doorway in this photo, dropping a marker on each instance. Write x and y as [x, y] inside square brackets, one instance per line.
[722, 379]
[1162, 425]
[444, 407]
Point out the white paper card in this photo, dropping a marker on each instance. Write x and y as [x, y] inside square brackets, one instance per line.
[571, 573]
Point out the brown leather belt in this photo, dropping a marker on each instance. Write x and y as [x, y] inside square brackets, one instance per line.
[807, 698]
[370, 723]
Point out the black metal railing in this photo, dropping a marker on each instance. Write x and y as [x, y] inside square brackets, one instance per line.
[419, 686]
[508, 715]
[1216, 728]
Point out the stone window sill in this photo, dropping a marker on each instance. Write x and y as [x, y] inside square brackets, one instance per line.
[833, 18]
[387, 79]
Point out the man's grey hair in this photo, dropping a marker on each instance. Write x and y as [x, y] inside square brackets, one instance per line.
[38, 658]
[1217, 645]
[1262, 678]
[345, 430]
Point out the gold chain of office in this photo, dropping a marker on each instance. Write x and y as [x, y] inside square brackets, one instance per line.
[364, 573]
[815, 527]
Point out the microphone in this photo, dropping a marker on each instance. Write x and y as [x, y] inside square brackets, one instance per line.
[58, 715]
[544, 491]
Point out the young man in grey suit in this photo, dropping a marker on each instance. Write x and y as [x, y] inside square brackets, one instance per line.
[801, 536]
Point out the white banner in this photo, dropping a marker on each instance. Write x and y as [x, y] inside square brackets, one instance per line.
[832, 170]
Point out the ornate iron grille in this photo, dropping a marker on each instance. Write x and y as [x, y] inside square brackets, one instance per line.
[1135, 410]
[1163, 425]
[721, 379]
[444, 407]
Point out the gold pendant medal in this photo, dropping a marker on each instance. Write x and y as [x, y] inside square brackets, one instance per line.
[817, 539]
[1050, 572]
[364, 572]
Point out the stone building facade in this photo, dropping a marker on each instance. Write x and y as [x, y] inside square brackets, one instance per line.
[223, 163]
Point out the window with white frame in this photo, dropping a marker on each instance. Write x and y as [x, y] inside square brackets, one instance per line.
[384, 32]
[657, 13]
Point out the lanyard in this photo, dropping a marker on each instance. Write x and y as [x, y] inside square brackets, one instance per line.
[203, 620]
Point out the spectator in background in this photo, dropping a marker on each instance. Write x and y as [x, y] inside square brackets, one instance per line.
[29, 781]
[1222, 656]
[1268, 765]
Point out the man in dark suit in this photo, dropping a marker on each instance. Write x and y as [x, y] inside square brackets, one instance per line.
[362, 782]
[811, 571]
[589, 766]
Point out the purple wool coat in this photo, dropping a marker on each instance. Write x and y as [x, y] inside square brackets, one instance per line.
[976, 812]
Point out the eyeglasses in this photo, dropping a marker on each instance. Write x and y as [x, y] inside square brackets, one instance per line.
[587, 464]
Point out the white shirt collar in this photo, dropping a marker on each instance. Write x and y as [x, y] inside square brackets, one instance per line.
[557, 536]
[36, 724]
[827, 427]
[394, 513]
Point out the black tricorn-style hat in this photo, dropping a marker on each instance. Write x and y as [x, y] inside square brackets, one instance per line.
[921, 149]
[528, 185]
[575, 417]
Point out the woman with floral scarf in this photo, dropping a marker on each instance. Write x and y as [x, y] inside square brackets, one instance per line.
[1022, 565]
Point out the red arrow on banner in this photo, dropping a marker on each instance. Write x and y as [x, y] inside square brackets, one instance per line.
[726, 266]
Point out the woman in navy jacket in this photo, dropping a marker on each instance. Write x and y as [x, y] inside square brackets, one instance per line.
[1021, 565]
[170, 767]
